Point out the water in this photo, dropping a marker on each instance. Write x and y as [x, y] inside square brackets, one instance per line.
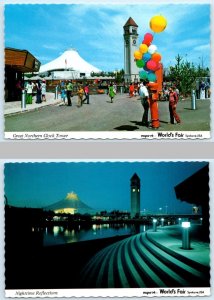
[58, 235]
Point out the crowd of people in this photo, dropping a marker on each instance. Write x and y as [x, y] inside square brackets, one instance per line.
[66, 89]
[39, 87]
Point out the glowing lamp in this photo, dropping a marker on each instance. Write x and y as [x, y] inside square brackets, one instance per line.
[154, 225]
[185, 224]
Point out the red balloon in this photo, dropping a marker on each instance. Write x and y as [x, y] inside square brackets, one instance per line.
[146, 42]
[148, 37]
[158, 66]
[151, 65]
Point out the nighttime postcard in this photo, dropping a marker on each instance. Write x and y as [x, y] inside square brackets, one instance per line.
[103, 71]
[107, 229]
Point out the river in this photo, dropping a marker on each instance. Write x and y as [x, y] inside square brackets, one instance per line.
[57, 235]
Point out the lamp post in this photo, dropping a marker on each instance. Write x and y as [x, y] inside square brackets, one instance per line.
[162, 222]
[201, 221]
[154, 225]
[185, 235]
[179, 221]
[23, 103]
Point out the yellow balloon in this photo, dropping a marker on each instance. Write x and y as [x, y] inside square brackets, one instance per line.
[143, 48]
[137, 55]
[158, 23]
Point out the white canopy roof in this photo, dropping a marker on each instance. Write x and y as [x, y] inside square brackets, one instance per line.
[70, 59]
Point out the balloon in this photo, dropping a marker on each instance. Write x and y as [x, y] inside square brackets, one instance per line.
[146, 57]
[146, 42]
[140, 63]
[151, 65]
[137, 54]
[156, 57]
[143, 74]
[143, 48]
[148, 37]
[158, 24]
[158, 66]
[152, 77]
[146, 69]
[152, 49]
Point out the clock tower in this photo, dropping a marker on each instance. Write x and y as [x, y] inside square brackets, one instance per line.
[130, 46]
[135, 196]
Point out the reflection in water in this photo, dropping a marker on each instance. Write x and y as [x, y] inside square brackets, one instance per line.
[57, 235]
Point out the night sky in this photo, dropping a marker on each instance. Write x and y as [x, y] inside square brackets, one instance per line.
[101, 185]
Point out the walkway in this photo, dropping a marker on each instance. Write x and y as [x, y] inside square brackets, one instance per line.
[125, 114]
[14, 107]
[149, 259]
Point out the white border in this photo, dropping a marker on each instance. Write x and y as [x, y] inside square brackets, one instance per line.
[140, 135]
[124, 293]
[150, 292]
[105, 135]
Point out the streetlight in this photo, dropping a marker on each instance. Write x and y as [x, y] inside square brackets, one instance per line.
[179, 221]
[201, 221]
[185, 235]
[162, 222]
[154, 225]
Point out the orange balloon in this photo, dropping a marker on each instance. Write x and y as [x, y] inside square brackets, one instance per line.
[156, 57]
[143, 48]
[138, 54]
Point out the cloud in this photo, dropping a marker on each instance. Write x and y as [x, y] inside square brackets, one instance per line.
[51, 47]
[201, 48]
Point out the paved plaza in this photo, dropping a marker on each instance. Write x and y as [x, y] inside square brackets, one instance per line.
[124, 114]
[150, 259]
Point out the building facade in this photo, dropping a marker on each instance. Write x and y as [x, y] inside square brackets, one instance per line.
[131, 71]
[135, 196]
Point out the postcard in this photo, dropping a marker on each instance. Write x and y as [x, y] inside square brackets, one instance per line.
[107, 228]
[107, 71]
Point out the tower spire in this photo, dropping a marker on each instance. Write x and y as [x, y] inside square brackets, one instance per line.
[130, 35]
[135, 195]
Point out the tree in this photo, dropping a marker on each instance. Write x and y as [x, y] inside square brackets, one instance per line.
[184, 74]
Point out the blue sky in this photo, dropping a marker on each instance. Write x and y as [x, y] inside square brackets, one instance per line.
[101, 185]
[96, 31]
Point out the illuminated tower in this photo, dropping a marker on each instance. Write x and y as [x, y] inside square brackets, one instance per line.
[130, 46]
[135, 196]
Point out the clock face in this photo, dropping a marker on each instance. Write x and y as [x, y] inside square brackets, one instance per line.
[134, 42]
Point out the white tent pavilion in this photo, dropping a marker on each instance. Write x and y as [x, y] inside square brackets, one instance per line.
[69, 65]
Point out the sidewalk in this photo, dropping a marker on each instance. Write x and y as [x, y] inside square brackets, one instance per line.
[171, 238]
[14, 107]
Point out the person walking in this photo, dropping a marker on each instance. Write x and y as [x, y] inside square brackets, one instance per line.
[144, 97]
[43, 90]
[86, 90]
[38, 92]
[69, 88]
[131, 90]
[18, 92]
[173, 100]
[111, 92]
[63, 92]
[29, 90]
[80, 94]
